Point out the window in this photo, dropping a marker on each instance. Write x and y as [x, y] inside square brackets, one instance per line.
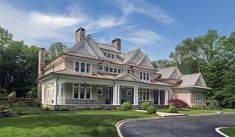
[82, 67]
[115, 70]
[110, 69]
[88, 68]
[100, 67]
[129, 92]
[144, 94]
[107, 69]
[77, 66]
[174, 76]
[100, 90]
[112, 56]
[76, 90]
[105, 54]
[82, 91]
[108, 55]
[128, 71]
[119, 71]
[144, 76]
[198, 97]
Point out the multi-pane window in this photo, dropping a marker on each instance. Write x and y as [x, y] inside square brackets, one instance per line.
[144, 76]
[129, 92]
[112, 70]
[82, 67]
[144, 94]
[110, 56]
[100, 67]
[128, 71]
[198, 97]
[82, 91]
[100, 90]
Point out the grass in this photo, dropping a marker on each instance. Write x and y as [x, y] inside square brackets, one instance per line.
[87, 123]
[199, 111]
[229, 131]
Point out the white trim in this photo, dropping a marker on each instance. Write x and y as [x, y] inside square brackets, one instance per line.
[145, 91]
[79, 91]
[221, 133]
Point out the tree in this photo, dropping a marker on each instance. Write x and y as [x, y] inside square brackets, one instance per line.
[55, 50]
[162, 63]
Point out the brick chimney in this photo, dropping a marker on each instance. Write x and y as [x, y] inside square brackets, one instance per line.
[80, 34]
[116, 43]
[41, 65]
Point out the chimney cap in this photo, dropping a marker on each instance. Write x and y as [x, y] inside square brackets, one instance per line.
[80, 29]
[116, 39]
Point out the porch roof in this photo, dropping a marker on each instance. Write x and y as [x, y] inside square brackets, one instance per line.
[105, 77]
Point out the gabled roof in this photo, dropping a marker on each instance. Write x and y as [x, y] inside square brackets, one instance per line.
[192, 80]
[167, 72]
[145, 62]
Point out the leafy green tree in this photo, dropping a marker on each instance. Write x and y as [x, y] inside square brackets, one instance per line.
[162, 63]
[55, 50]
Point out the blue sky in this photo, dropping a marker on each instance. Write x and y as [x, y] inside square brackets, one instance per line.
[155, 26]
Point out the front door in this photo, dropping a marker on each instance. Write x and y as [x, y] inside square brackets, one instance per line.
[155, 96]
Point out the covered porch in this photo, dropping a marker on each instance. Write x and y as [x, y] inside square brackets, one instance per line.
[82, 91]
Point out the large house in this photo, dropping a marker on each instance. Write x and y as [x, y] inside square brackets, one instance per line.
[97, 74]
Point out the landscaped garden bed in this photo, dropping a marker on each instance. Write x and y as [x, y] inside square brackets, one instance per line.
[229, 131]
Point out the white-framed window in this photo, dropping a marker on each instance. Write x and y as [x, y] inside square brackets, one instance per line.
[198, 97]
[144, 94]
[82, 67]
[82, 91]
[115, 70]
[128, 71]
[110, 69]
[99, 90]
[129, 92]
[144, 76]
[100, 67]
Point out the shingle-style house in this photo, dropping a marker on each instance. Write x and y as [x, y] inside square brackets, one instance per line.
[96, 74]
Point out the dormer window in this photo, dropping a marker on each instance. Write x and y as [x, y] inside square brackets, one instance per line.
[144, 76]
[174, 76]
[109, 55]
[112, 56]
[100, 67]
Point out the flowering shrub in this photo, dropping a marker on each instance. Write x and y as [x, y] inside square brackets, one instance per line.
[178, 103]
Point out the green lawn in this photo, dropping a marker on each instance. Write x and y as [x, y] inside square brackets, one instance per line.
[199, 111]
[229, 131]
[87, 123]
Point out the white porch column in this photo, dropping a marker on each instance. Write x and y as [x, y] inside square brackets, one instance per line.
[116, 94]
[43, 94]
[58, 99]
[166, 96]
[136, 94]
[54, 92]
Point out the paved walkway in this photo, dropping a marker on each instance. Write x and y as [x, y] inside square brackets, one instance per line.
[185, 126]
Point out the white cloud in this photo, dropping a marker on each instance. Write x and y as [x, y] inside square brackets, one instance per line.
[142, 37]
[53, 21]
[144, 7]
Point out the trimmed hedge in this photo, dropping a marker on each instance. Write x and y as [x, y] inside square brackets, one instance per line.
[151, 110]
[126, 106]
[172, 109]
[144, 105]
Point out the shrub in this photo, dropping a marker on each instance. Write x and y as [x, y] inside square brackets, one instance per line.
[36, 102]
[214, 105]
[46, 108]
[172, 109]
[31, 94]
[151, 110]
[199, 107]
[126, 106]
[12, 95]
[178, 103]
[2, 108]
[3, 93]
[144, 105]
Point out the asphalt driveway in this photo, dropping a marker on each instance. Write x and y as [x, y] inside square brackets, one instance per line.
[187, 126]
